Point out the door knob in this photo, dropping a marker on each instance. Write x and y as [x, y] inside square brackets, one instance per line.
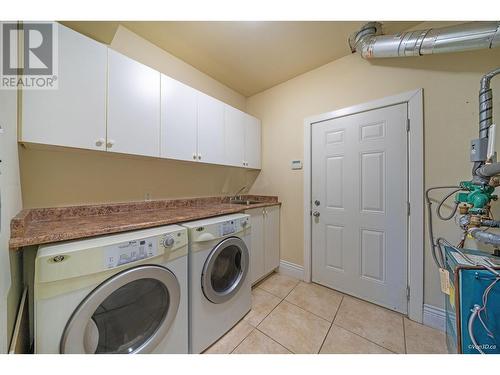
[316, 214]
[317, 202]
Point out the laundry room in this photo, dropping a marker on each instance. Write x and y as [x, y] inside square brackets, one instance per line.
[250, 184]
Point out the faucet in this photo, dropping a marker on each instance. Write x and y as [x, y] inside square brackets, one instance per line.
[237, 196]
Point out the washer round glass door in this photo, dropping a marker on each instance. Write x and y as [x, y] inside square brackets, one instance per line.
[225, 270]
[130, 312]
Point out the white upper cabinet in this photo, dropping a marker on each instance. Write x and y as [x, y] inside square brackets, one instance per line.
[110, 102]
[178, 120]
[133, 107]
[74, 114]
[211, 140]
[234, 136]
[252, 142]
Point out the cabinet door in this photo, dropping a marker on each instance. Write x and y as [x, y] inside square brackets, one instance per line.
[234, 136]
[74, 114]
[271, 238]
[210, 130]
[257, 244]
[133, 107]
[178, 120]
[252, 142]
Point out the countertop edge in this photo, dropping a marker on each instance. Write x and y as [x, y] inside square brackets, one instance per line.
[16, 243]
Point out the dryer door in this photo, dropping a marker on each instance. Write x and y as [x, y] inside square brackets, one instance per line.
[131, 312]
[225, 270]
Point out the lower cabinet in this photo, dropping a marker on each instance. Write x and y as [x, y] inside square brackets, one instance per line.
[265, 241]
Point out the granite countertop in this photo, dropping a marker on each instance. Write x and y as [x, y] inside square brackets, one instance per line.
[45, 225]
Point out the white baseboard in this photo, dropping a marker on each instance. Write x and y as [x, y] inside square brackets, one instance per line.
[291, 269]
[434, 317]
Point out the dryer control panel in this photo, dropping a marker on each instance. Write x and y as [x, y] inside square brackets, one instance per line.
[232, 226]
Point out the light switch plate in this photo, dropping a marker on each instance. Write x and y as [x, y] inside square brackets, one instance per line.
[296, 164]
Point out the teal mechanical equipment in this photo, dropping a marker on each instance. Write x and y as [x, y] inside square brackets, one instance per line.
[478, 197]
[470, 330]
[470, 279]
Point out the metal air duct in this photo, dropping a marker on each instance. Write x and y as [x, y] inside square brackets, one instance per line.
[370, 42]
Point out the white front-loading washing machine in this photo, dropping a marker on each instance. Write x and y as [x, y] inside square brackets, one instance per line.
[120, 293]
[219, 282]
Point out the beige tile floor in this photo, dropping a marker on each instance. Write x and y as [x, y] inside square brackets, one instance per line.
[290, 316]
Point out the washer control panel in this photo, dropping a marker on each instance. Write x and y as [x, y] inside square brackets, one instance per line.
[130, 251]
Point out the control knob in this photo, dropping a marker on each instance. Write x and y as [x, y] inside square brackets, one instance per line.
[168, 241]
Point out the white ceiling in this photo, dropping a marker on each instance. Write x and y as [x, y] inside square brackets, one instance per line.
[247, 56]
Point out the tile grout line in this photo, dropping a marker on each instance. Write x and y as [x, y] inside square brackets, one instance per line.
[274, 308]
[331, 325]
[357, 334]
[243, 339]
[280, 344]
[255, 327]
[404, 335]
[366, 339]
[316, 315]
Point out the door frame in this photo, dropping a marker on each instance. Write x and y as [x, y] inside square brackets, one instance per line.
[415, 237]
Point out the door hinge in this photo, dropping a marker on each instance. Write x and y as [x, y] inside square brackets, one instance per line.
[407, 124]
[408, 208]
[407, 293]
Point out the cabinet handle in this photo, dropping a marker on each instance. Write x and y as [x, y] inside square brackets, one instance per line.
[110, 143]
[199, 156]
[194, 156]
[99, 142]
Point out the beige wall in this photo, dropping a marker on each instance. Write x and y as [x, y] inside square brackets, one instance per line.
[57, 176]
[450, 84]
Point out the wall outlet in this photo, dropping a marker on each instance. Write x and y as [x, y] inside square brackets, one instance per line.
[147, 196]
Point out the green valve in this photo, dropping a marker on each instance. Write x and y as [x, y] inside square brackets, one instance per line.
[476, 195]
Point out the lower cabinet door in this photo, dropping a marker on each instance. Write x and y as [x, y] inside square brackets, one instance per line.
[271, 238]
[257, 260]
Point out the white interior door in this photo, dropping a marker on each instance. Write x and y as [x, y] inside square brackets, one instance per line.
[359, 203]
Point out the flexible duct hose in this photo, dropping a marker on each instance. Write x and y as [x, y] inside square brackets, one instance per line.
[486, 103]
[435, 246]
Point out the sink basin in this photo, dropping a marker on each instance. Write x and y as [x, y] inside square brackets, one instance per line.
[245, 202]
